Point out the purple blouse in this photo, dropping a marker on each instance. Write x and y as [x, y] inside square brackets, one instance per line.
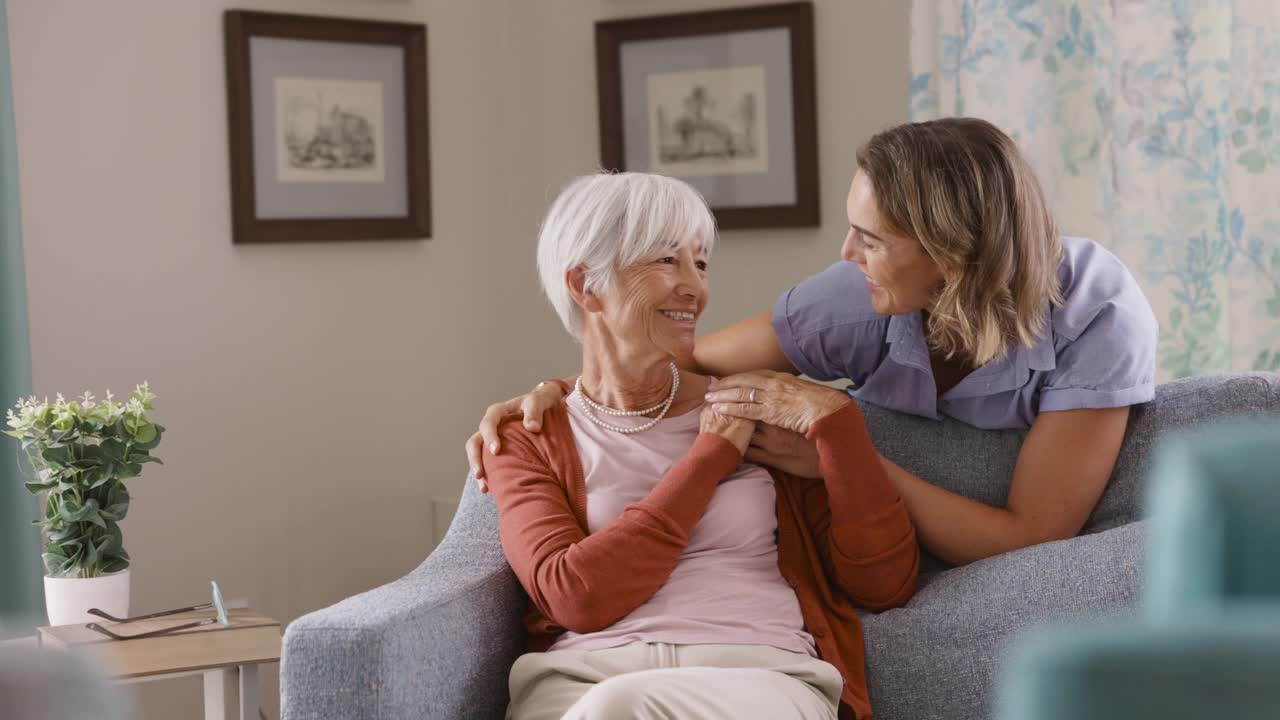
[1099, 353]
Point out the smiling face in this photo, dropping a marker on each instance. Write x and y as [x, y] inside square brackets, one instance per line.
[900, 276]
[655, 304]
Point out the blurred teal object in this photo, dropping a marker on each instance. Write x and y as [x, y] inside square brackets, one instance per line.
[21, 593]
[1214, 529]
[1227, 667]
[1208, 641]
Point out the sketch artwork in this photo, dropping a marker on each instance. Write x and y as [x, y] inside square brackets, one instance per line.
[329, 130]
[708, 122]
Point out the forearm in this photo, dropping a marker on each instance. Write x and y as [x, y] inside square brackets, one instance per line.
[953, 527]
[588, 582]
[742, 347]
[872, 545]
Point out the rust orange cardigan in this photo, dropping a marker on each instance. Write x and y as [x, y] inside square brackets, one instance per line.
[842, 541]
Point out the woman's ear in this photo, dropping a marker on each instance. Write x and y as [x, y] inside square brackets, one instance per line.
[576, 280]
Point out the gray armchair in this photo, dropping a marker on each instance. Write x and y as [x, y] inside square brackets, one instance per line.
[438, 642]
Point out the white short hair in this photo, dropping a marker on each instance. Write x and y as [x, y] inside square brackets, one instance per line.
[609, 221]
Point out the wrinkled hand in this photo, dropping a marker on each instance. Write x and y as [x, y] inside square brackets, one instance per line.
[775, 398]
[735, 430]
[530, 406]
[785, 450]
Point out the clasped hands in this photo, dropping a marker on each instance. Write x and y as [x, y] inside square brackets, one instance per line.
[784, 407]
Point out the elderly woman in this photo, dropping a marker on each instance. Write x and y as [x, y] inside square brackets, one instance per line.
[667, 577]
[955, 297]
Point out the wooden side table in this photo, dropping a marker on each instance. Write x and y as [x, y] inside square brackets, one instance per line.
[228, 658]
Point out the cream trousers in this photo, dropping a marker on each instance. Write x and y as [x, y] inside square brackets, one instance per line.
[658, 680]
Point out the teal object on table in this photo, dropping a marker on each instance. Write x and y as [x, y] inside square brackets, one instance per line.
[1207, 643]
[219, 609]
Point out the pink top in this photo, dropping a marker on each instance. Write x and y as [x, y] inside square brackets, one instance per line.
[726, 587]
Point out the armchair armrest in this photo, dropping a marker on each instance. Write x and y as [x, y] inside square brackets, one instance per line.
[436, 643]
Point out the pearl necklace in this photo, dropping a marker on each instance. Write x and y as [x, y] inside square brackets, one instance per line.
[588, 405]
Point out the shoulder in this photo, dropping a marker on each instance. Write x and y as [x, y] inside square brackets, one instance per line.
[526, 444]
[1105, 334]
[1100, 297]
[834, 297]
[827, 327]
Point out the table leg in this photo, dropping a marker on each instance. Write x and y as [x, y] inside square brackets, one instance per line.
[221, 688]
[248, 692]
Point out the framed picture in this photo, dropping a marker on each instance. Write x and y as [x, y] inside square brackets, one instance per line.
[723, 100]
[328, 128]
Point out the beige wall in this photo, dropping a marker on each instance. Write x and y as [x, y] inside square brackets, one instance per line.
[317, 395]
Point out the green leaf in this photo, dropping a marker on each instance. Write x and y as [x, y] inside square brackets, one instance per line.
[128, 470]
[1051, 64]
[1254, 160]
[152, 443]
[1244, 116]
[1175, 318]
[119, 494]
[113, 449]
[56, 456]
[92, 555]
[116, 545]
[1028, 53]
[1264, 115]
[61, 565]
[66, 535]
[145, 434]
[1273, 306]
[115, 564]
[38, 487]
[54, 565]
[1239, 138]
[87, 513]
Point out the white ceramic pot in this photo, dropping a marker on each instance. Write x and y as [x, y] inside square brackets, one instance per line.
[67, 600]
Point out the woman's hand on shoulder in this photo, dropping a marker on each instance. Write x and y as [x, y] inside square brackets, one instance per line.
[775, 398]
[736, 430]
[531, 406]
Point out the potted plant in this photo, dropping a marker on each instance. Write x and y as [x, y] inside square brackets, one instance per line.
[80, 453]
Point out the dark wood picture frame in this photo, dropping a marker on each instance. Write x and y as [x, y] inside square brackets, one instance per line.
[241, 25]
[797, 18]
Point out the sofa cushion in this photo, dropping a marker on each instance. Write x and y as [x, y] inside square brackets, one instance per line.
[937, 656]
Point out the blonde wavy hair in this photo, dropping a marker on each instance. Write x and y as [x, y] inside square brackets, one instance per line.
[962, 189]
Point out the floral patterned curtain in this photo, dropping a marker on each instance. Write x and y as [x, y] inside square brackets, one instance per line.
[1155, 127]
